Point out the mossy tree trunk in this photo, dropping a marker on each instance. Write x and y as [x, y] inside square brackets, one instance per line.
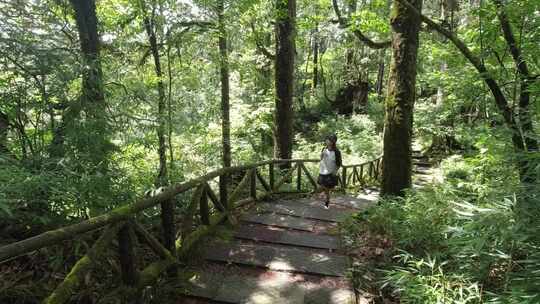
[284, 77]
[399, 106]
[162, 180]
[91, 129]
[4, 127]
[225, 102]
[525, 165]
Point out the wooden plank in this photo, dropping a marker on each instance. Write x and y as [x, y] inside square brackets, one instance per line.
[265, 234]
[283, 221]
[279, 258]
[305, 211]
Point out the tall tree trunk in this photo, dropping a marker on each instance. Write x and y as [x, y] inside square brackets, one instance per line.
[284, 73]
[380, 73]
[4, 127]
[349, 63]
[95, 131]
[530, 143]
[315, 57]
[162, 178]
[225, 119]
[167, 207]
[397, 162]
[500, 99]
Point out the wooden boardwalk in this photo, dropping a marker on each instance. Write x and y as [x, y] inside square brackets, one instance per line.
[281, 251]
[284, 251]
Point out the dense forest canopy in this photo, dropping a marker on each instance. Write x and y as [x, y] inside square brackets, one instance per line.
[104, 100]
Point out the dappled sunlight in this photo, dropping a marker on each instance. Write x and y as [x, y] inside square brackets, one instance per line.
[280, 264]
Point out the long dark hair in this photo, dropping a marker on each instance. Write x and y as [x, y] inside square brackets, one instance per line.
[333, 139]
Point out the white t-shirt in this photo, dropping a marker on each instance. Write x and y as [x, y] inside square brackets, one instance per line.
[328, 162]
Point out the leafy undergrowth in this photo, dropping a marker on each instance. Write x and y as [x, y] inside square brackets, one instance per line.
[473, 239]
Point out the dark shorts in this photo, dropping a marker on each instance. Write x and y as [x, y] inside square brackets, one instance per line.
[327, 180]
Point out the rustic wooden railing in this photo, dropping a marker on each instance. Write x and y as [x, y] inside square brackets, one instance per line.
[200, 219]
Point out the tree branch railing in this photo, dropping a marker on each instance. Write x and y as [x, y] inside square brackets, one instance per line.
[201, 216]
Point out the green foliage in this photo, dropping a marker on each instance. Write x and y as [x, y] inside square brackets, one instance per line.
[464, 241]
[357, 138]
[426, 280]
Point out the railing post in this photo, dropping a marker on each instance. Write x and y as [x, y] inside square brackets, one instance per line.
[253, 183]
[203, 207]
[223, 192]
[377, 169]
[381, 166]
[299, 177]
[371, 169]
[344, 177]
[271, 175]
[126, 255]
[361, 175]
[169, 230]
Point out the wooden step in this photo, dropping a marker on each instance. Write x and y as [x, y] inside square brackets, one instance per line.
[279, 258]
[283, 221]
[294, 208]
[267, 234]
[265, 288]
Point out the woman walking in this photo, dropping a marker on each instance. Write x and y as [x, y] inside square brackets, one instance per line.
[330, 163]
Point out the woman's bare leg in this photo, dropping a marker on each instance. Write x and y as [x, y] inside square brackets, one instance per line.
[326, 196]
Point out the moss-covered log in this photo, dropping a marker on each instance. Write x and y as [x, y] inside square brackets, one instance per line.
[149, 275]
[63, 292]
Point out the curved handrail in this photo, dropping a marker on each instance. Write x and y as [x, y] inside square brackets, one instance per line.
[123, 213]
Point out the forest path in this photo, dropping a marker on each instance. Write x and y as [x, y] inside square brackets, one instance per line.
[283, 251]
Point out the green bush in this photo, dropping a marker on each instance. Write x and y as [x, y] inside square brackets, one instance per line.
[470, 239]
